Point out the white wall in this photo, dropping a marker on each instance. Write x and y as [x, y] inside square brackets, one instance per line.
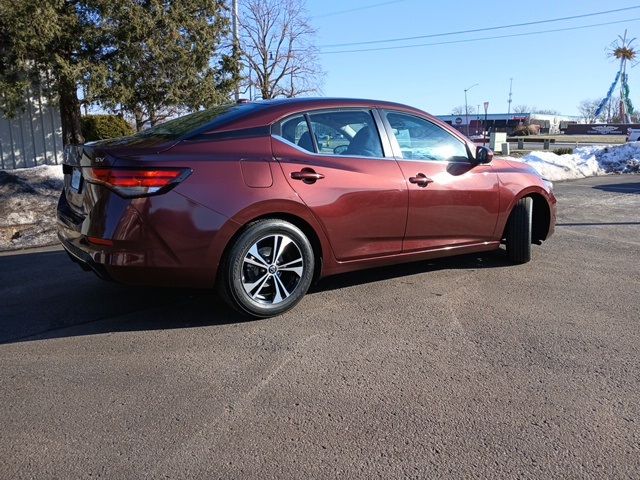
[31, 138]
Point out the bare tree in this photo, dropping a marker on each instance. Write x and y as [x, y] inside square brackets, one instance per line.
[587, 109]
[460, 110]
[522, 109]
[545, 111]
[278, 49]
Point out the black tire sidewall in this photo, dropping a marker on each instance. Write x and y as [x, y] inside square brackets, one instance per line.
[236, 293]
[520, 230]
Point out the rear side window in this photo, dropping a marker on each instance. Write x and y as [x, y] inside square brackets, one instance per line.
[296, 131]
[419, 139]
[346, 132]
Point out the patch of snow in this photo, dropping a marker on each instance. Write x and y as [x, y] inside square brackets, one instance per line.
[585, 161]
[52, 172]
[28, 200]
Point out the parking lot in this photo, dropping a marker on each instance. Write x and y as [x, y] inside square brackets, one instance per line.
[462, 367]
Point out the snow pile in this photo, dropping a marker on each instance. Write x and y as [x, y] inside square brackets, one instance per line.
[28, 200]
[623, 158]
[586, 161]
[562, 167]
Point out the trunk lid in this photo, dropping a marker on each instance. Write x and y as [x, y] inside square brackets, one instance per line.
[104, 153]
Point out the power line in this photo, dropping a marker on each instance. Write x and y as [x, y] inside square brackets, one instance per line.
[357, 9]
[399, 47]
[500, 27]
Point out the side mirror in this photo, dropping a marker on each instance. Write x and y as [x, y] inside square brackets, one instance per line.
[484, 155]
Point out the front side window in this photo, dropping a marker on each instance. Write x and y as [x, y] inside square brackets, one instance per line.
[419, 139]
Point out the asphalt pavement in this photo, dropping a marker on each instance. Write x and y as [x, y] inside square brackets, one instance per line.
[466, 367]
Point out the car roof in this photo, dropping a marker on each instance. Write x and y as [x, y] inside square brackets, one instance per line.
[250, 114]
[319, 101]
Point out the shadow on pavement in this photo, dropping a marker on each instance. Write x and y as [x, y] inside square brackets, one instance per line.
[583, 224]
[619, 187]
[471, 261]
[45, 296]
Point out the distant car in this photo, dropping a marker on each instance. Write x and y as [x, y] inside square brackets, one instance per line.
[633, 134]
[244, 197]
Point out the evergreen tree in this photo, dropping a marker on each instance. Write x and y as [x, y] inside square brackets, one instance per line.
[159, 58]
[146, 58]
[46, 46]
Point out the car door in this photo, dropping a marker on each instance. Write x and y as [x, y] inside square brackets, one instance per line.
[336, 163]
[452, 200]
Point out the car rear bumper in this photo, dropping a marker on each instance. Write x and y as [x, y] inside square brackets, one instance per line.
[82, 257]
[129, 266]
[162, 247]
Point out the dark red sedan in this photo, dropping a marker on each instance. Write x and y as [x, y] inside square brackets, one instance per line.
[259, 199]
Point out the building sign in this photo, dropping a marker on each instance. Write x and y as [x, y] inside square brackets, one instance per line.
[600, 129]
[458, 121]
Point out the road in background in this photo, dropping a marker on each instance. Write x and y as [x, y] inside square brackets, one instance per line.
[540, 145]
[562, 141]
[462, 367]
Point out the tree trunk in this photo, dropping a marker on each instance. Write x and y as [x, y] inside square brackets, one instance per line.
[153, 118]
[69, 112]
[137, 113]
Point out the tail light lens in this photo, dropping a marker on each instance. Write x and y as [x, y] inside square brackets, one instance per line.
[136, 182]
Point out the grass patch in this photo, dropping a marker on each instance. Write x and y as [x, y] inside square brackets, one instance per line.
[563, 151]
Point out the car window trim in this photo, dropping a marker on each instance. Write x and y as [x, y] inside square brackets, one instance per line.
[396, 146]
[387, 152]
[387, 149]
[314, 139]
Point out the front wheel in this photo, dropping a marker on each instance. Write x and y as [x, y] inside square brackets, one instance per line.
[518, 233]
[268, 269]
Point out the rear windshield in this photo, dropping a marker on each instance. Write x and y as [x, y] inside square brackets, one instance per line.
[179, 127]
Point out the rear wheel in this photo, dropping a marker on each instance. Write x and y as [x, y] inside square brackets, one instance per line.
[518, 233]
[268, 269]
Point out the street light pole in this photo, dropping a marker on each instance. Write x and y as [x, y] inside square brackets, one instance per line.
[466, 106]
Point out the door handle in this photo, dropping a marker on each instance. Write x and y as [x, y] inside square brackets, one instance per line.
[421, 180]
[307, 175]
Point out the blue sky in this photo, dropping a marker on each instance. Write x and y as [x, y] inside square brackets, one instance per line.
[552, 70]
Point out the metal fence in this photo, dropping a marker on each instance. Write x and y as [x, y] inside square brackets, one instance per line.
[32, 138]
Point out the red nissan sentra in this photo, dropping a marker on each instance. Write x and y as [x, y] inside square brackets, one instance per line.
[259, 199]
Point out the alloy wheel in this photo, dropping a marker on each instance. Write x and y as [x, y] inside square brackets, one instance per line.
[272, 269]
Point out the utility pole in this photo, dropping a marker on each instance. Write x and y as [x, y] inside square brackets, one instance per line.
[624, 115]
[510, 93]
[466, 106]
[236, 43]
[484, 127]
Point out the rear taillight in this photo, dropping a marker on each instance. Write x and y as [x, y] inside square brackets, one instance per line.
[136, 182]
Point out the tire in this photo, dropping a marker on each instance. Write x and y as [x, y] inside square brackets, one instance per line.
[518, 234]
[268, 269]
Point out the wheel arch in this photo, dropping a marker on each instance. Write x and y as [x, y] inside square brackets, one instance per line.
[541, 215]
[296, 216]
